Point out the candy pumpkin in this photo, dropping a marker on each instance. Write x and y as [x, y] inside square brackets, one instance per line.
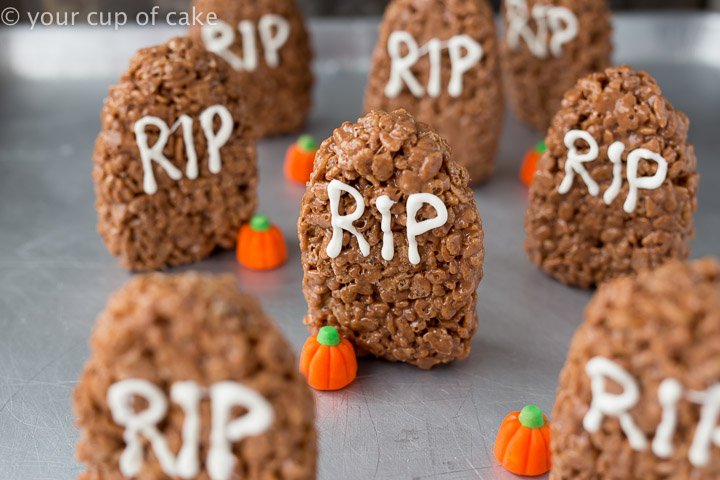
[328, 360]
[522, 444]
[299, 159]
[261, 245]
[529, 163]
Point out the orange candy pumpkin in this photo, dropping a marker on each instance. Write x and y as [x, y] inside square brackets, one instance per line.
[328, 360]
[529, 163]
[261, 245]
[522, 444]
[299, 159]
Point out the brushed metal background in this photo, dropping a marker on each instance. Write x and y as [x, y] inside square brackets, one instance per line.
[395, 421]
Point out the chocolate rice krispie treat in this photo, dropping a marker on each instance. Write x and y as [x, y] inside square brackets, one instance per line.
[391, 241]
[616, 189]
[267, 44]
[439, 60]
[174, 164]
[546, 47]
[188, 378]
[639, 395]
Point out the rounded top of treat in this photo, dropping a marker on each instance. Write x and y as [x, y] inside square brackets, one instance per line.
[678, 298]
[167, 81]
[177, 69]
[392, 148]
[618, 102]
[173, 317]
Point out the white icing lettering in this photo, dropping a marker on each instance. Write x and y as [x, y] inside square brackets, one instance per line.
[400, 66]
[708, 431]
[415, 228]
[383, 205]
[223, 397]
[345, 222]
[155, 153]
[434, 47]
[518, 18]
[564, 25]
[461, 63]
[615, 152]
[249, 61]
[120, 396]
[400, 73]
[191, 169]
[215, 141]
[188, 396]
[574, 164]
[608, 404]
[647, 183]
[274, 31]
[669, 393]
[273, 43]
[219, 37]
[560, 20]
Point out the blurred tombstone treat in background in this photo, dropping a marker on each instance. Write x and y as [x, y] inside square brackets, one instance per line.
[439, 60]
[174, 164]
[308, 7]
[391, 241]
[616, 190]
[267, 44]
[375, 7]
[188, 378]
[639, 395]
[547, 47]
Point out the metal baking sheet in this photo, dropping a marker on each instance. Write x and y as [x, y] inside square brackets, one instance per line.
[395, 421]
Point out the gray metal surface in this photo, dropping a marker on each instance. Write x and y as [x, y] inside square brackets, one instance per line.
[395, 421]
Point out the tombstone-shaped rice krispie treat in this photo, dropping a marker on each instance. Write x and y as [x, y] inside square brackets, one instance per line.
[639, 395]
[439, 60]
[266, 42]
[188, 378]
[174, 164]
[616, 189]
[391, 241]
[546, 47]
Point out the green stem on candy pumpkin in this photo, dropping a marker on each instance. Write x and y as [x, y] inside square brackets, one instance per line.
[531, 417]
[328, 336]
[306, 143]
[260, 223]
